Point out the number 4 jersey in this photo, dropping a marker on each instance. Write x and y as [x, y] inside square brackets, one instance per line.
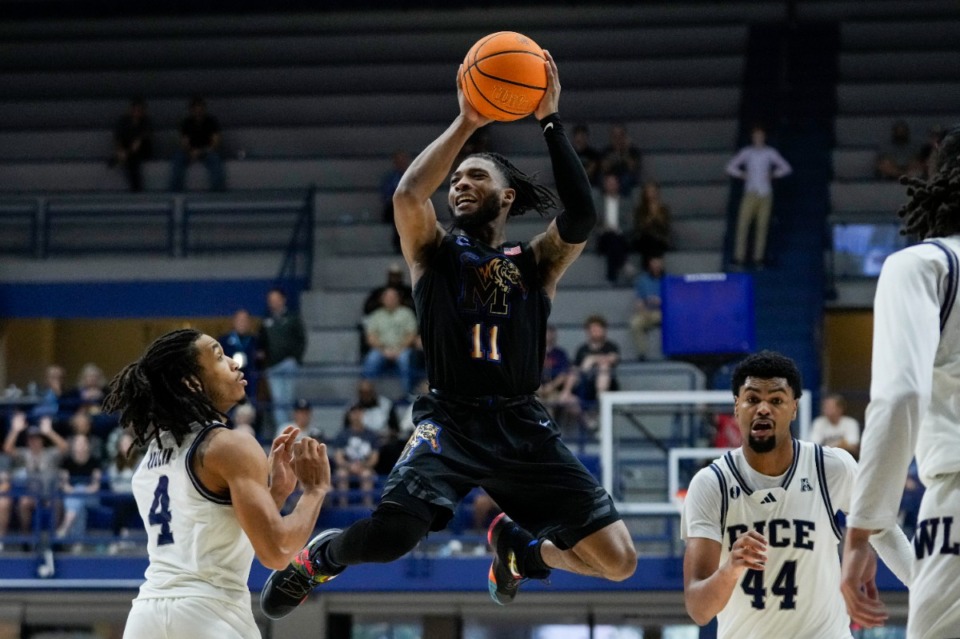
[798, 593]
[194, 541]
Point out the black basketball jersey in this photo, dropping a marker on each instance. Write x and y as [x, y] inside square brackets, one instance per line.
[483, 318]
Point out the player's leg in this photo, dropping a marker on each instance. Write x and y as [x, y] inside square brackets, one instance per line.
[608, 553]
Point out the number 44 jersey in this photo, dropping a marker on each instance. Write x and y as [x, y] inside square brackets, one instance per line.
[797, 595]
[195, 543]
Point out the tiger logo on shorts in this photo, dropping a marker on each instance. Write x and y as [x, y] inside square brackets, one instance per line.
[426, 432]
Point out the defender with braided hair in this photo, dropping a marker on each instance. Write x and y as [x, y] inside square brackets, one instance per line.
[482, 304]
[913, 408]
[208, 495]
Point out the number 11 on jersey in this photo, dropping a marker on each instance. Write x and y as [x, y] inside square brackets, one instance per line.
[484, 340]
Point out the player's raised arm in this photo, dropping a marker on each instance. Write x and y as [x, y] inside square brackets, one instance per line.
[566, 236]
[414, 214]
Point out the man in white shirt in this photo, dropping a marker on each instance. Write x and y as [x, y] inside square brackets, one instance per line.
[833, 428]
[757, 165]
[913, 410]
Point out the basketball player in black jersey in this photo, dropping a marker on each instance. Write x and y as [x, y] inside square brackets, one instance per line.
[483, 305]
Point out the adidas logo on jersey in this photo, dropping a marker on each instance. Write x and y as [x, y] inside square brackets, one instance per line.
[769, 499]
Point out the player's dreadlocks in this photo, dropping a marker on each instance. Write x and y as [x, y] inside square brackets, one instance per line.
[934, 206]
[153, 394]
[530, 195]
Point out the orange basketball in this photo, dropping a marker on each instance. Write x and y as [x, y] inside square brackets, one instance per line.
[503, 76]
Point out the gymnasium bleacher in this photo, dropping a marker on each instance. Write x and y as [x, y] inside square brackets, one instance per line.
[312, 107]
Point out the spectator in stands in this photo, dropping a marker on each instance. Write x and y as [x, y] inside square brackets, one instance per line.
[88, 393]
[388, 184]
[391, 333]
[651, 223]
[6, 498]
[396, 278]
[557, 382]
[589, 156]
[200, 141]
[244, 418]
[596, 365]
[241, 344]
[51, 393]
[119, 471]
[622, 158]
[80, 476]
[282, 342]
[389, 451]
[355, 453]
[378, 413]
[757, 165]
[833, 428]
[81, 423]
[647, 312]
[133, 142]
[34, 466]
[614, 228]
[899, 156]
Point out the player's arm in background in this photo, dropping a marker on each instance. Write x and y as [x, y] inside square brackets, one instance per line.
[905, 339]
[708, 585]
[233, 464]
[414, 214]
[567, 234]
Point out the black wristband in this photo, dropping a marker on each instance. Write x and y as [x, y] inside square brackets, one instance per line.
[554, 119]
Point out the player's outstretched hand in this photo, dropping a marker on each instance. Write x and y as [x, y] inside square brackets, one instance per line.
[282, 478]
[311, 464]
[858, 580]
[550, 102]
[749, 552]
[470, 114]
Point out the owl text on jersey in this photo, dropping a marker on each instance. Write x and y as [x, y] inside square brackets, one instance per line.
[159, 457]
[925, 539]
[781, 533]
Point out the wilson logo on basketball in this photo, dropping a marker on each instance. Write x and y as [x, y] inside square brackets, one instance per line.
[510, 99]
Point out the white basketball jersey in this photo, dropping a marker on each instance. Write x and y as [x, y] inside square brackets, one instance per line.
[797, 596]
[195, 543]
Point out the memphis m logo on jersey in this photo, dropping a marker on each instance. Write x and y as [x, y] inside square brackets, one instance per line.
[486, 285]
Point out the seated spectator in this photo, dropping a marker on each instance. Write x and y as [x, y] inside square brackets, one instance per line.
[615, 211]
[395, 279]
[302, 417]
[556, 384]
[391, 446]
[244, 419]
[133, 142]
[392, 336]
[355, 455]
[596, 364]
[623, 159]
[647, 313]
[199, 142]
[403, 408]
[80, 476]
[240, 343]
[34, 465]
[378, 414]
[123, 462]
[927, 155]
[589, 156]
[833, 428]
[6, 498]
[51, 392]
[651, 223]
[899, 156]
[82, 424]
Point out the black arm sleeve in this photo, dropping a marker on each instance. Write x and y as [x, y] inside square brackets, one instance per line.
[579, 216]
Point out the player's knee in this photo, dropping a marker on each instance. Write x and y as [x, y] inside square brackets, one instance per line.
[620, 563]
